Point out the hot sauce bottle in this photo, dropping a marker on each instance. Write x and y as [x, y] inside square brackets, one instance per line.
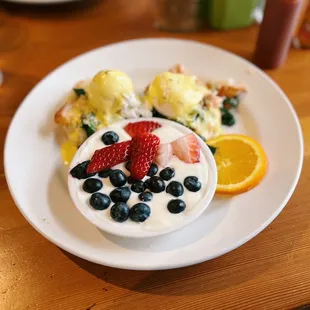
[276, 31]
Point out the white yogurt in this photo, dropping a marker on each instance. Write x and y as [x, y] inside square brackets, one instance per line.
[160, 220]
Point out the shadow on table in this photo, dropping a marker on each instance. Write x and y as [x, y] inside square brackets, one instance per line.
[232, 269]
[252, 260]
[214, 275]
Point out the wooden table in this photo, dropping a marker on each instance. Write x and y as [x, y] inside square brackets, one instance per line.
[272, 271]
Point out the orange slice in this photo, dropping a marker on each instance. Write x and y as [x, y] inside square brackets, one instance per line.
[241, 163]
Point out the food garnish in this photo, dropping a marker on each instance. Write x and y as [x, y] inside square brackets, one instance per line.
[110, 156]
[144, 150]
[79, 91]
[138, 128]
[187, 149]
[241, 163]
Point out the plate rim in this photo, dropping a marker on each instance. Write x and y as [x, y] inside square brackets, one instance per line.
[167, 265]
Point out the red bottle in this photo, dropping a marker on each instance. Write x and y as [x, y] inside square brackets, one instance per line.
[276, 31]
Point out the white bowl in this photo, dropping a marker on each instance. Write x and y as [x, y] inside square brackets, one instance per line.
[140, 230]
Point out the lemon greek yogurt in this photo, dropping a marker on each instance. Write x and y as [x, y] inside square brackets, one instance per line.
[160, 220]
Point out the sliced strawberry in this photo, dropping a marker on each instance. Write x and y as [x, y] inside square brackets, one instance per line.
[144, 149]
[109, 156]
[142, 127]
[164, 154]
[187, 149]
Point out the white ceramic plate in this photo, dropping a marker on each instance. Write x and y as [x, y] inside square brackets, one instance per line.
[35, 176]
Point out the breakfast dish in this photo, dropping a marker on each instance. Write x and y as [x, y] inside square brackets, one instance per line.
[109, 96]
[147, 172]
[38, 183]
[202, 106]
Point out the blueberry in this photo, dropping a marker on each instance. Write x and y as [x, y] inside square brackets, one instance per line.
[119, 212]
[153, 170]
[130, 180]
[176, 206]
[139, 212]
[105, 173]
[138, 186]
[175, 189]
[146, 196]
[99, 201]
[127, 166]
[118, 178]
[120, 194]
[79, 171]
[110, 137]
[167, 173]
[155, 184]
[92, 185]
[192, 184]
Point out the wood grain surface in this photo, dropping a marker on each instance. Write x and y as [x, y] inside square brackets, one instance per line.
[272, 271]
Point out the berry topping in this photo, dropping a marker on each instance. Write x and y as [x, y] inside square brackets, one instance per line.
[187, 149]
[79, 171]
[127, 166]
[139, 212]
[155, 184]
[119, 212]
[105, 173]
[99, 201]
[130, 180]
[167, 173]
[138, 186]
[192, 184]
[118, 178]
[92, 185]
[109, 156]
[153, 170]
[164, 154]
[110, 137]
[142, 127]
[120, 194]
[176, 206]
[175, 189]
[146, 196]
[144, 149]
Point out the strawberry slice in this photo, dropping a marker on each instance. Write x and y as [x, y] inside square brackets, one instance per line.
[142, 127]
[164, 154]
[144, 149]
[110, 156]
[187, 149]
